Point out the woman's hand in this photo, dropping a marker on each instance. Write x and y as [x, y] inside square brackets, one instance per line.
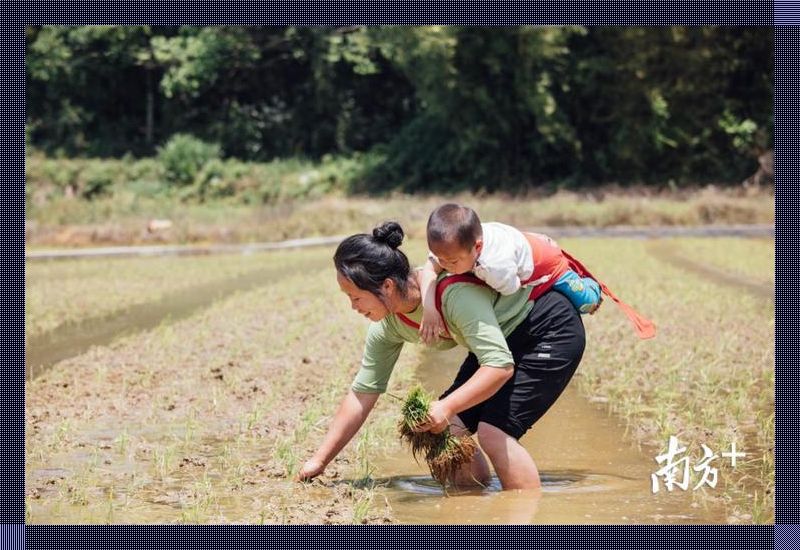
[438, 418]
[311, 469]
[353, 410]
[431, 326]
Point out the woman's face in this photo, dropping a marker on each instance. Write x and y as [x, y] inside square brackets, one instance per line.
[363, 301]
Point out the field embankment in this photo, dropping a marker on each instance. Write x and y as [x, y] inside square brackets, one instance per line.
[94, 203]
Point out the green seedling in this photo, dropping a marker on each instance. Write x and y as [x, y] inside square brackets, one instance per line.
[361, 508]
[444, 453]
[122, 441]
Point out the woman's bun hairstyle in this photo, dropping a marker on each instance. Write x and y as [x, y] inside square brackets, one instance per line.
[368, 260]
[390, 233]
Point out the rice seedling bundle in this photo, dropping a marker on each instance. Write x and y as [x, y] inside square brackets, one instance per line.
[444, 452]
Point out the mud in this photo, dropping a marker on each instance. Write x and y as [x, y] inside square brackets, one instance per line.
[203, 420]
[206, 418]
[591, 471]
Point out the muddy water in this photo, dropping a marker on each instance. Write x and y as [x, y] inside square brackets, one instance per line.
[590, 473]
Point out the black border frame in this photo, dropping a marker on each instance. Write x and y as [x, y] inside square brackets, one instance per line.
[14, 534]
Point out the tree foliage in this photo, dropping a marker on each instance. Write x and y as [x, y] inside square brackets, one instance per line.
[444, 107]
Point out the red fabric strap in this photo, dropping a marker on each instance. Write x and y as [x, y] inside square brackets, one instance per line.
[645, 328]
[548, 264]
[442, 284]
[553, 261]
[407, 321]
[413, 324]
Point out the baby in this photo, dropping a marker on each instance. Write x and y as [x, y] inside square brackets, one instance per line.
[505, 259]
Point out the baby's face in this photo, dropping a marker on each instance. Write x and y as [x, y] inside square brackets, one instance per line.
[455, 259]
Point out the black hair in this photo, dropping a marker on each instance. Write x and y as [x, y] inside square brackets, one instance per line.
[368, 260]
[454, 223]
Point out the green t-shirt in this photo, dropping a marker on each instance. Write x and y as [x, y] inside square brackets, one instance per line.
[477, 317]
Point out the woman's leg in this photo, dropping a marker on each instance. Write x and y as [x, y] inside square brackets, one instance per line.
[514, 466]
[547, 349]
[476, 473]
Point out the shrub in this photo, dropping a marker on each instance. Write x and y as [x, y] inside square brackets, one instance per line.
[215, 180]
[184, 155]
[97, 178]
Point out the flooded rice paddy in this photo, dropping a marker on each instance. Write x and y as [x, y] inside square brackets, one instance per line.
[199, 405]
[591, 473]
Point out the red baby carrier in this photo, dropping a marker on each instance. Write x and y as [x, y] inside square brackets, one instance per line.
[549, 263]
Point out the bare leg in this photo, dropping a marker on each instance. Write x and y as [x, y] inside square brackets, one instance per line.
[514, 465]
[476, 473]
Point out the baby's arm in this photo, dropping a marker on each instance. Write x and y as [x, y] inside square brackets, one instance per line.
[431, 323]
[504, 277]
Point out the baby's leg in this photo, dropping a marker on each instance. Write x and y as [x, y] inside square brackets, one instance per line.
[594, 287]
[583, 292]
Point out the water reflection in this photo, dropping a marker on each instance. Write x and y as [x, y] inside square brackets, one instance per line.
[424, 501]
[551, 482]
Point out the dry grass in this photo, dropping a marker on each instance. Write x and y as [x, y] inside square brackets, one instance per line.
[708, 376]
[203, 420]
[753, 259]
[70, 291]
[115, 221]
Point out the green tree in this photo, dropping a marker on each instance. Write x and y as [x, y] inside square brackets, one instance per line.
[444, 107]
[647, 103]
[86, 88]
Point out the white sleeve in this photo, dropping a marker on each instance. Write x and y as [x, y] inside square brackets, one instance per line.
[503, 278]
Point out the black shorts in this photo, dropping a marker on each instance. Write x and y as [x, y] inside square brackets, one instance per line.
[547, 348]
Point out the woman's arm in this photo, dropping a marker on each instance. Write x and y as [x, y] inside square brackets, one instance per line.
[470, 314]
[353, 411]
[480, 387]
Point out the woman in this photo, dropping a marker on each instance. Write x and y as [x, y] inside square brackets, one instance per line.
[522, 355]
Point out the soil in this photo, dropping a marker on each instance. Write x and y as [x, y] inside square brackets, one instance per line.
[183, 423]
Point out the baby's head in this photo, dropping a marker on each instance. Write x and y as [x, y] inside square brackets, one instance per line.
[455, 237]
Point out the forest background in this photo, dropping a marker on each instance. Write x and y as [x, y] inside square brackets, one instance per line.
[261, 114]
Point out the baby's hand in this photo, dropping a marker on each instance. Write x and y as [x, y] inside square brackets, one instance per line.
[431, 326]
